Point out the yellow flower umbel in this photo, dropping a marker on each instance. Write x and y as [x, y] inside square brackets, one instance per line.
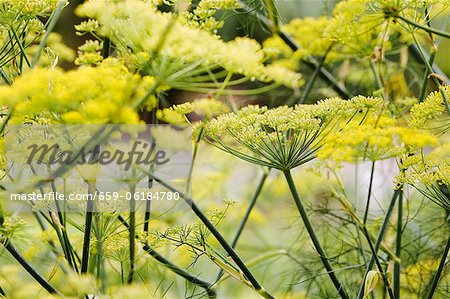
[285, 137]
[204, 108]
[429, 174]
[377, 139]
[21, 36]
[432, 113]
[104, 94]
[357, 29]
[150, 40]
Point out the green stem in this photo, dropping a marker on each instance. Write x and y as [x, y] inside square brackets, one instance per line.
[430, 59]
[132, 232]
[274, 17]
[313, 78]
[174, 268]
[148, 201]
[5, 76]
[437, 276]
[21, 47]
[87, 228]
[435, 69]
[65, 241]
[378, 264]
[398, 246]
[436, 81]
[54, 18]
[309, 60]
[5, 120]
[210, 226]
[378, 80]
[326, 263]
[379, 239]
[247, 215]
[191, 166]
[423, 89]
[424, 27]
[369, 193]
[30, 269]
[209, 288]
[106, 47]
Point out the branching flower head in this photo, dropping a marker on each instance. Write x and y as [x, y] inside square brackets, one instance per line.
[152, 44]
[12, 12]
[80, 96]
[204, 108]
[429, 174]
[357, 29]
[432, 113]
[284, 137]
[377, 139]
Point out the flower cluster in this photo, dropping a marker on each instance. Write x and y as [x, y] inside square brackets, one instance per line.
[358, 28]
[206, 108]
[24, 10]
[376, 139]
[429, 173]
[203, 14]
[21, 35]
[89, 53]
[432, 113]
[285, 137]
[157, 37]
[104, 94]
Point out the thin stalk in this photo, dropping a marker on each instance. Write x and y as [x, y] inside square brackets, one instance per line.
[88, 228]
[247, 215]
[437, 276]
[5, 120]
[106, 47]
[310, 61]
[65, 241]
[378, 80]
[5, 76]
[436, 81]
[430, 60]
[379, 239]
[210, 226]
[21, 46]
[99, 264]
[54, 18]
[398, 246]
[313, 78]
[413, 49]
[191, 167]
[274, 16]
[132, 232]
[425, 27]
[148, 201]
[174, 268]
[378, 264]
[209, 288]
[326, 263]
[30, 269]
[423, 89]
[369, 193]
[2, 292]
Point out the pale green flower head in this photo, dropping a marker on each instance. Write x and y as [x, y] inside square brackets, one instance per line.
[431, 113]
[150, 40]
[429, 174]
[283, 137]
